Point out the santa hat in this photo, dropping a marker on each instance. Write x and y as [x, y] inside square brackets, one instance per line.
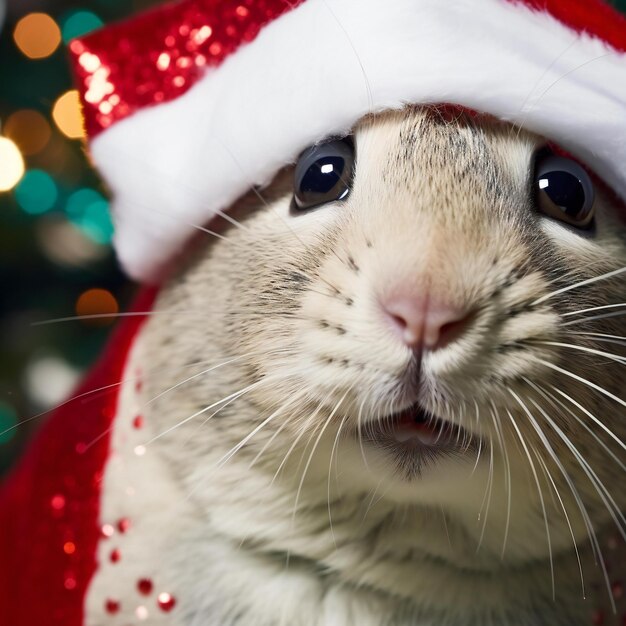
[191, 104]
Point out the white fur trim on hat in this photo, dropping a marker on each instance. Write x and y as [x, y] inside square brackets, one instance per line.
[317, 69]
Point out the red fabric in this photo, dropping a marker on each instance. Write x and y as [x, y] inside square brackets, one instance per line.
[594, 17]
[158, 55]
[49, 506]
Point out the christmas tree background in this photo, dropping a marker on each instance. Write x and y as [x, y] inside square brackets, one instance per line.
[55, 230]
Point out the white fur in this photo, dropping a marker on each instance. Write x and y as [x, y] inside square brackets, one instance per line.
[367, 545]
[137, 488]
[318, 69]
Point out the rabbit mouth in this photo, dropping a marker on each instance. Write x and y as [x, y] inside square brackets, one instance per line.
[416, 437]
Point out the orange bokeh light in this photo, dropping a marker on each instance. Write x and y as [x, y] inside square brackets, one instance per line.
[68, 115]
[37, 35]
[29, 130]
[97, 302]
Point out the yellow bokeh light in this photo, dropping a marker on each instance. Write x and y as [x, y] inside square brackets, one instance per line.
[68, 116]
[11, 164]
[37, 35]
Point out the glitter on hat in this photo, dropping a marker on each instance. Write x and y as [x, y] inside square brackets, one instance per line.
[57, 502]
[180, 43]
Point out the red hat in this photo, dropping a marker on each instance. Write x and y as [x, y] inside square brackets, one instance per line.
[190, 105]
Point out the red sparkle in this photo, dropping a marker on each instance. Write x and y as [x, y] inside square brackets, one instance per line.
[108, 412]
[115, 555]
[618, 590]
[69, 547]
[97, 478]
[145, 586]
[118, 54]
[112, 606]
[76, 47]
[58, 502]
[597, 619]
[69, 583]
[138, 422]
[123, 525]
[166, 602]
[81, 447]
[107, 530]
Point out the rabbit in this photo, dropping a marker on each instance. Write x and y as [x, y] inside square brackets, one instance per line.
[384, 390]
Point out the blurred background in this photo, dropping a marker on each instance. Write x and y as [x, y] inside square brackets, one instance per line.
[55, 231]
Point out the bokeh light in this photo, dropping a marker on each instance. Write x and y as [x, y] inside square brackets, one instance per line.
[11, 164]
[90, 211]
[78, 23]
[37, 35]
[97, 302]
[29, 129]
[50, 380]
[8, 420]
[68, 116]
[66, 244]
[37, 192]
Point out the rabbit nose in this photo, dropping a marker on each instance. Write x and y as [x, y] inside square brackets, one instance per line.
[423, 323]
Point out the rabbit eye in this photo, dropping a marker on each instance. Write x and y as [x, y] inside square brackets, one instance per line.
[324, 174]
[564, 190]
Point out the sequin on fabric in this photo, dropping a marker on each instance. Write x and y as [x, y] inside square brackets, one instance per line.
[166, 602]
[160, 54]
[145, 586]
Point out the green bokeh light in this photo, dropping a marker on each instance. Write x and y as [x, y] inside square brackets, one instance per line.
[78, 23]
[89, 211]
[8, 419]
[37, 192]
[79, 202]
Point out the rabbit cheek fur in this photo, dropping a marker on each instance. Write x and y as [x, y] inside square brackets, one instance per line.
[310, 522]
